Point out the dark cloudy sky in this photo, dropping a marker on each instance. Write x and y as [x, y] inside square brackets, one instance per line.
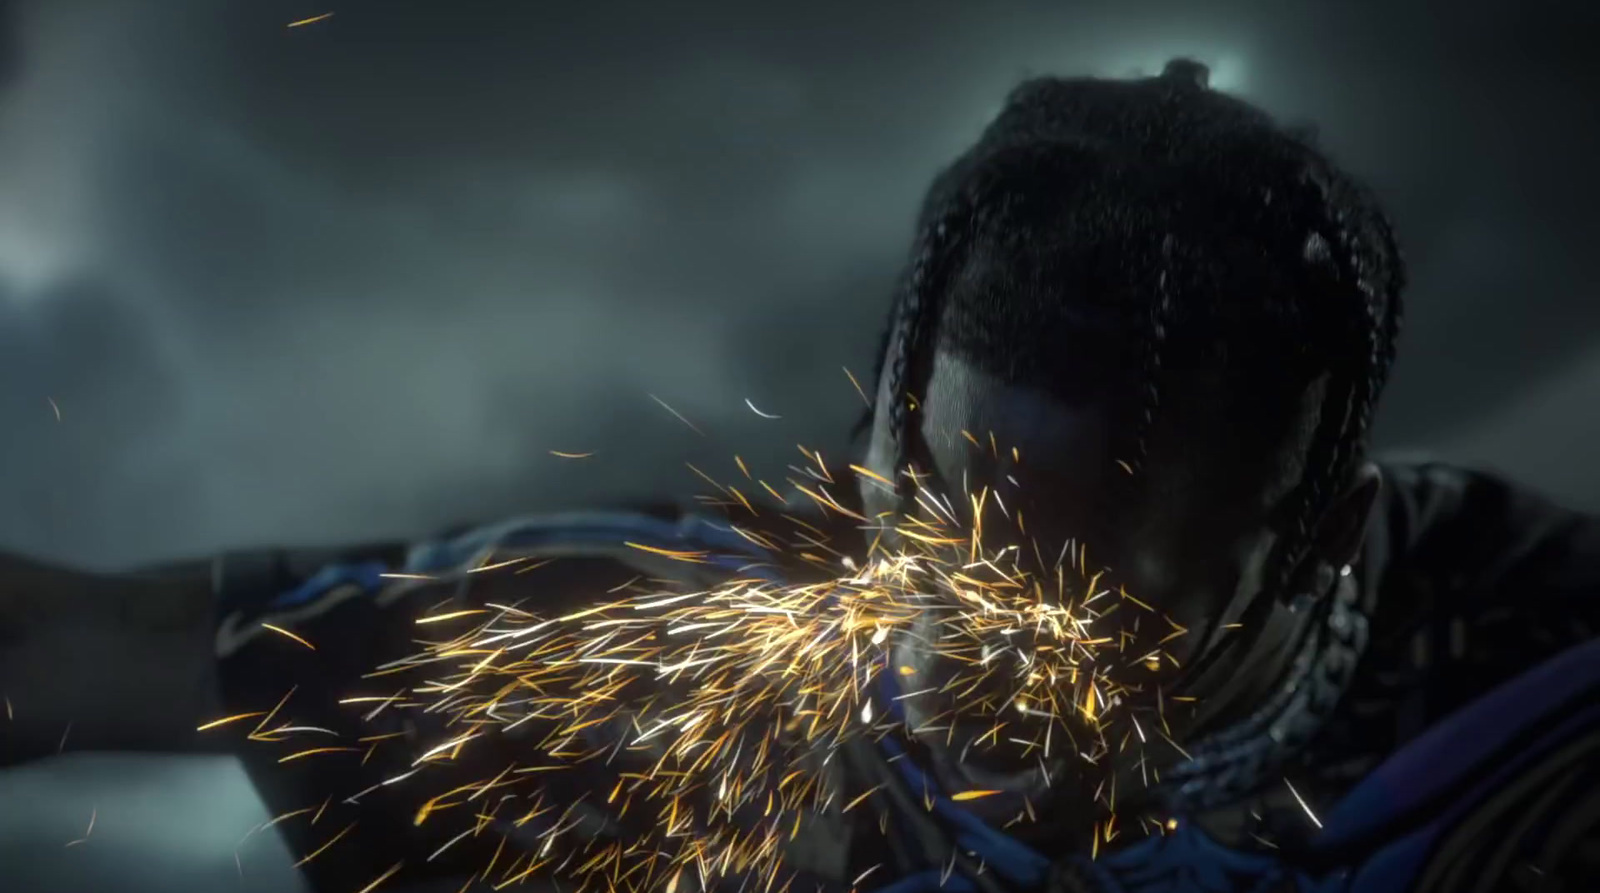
[357, 278]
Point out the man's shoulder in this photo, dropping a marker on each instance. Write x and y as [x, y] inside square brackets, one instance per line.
[1468, 582]
[1506, 785]
[1441, 526]
[1428, 492]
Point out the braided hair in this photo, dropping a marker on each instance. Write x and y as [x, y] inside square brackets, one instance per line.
[1235, 223]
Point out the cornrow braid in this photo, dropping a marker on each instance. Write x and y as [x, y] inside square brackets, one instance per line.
[1184, 76]
[1349, 405]
[916, 318]
[1154, 340]
[1395, 292]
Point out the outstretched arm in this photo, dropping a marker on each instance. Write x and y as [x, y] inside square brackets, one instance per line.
[294, 693]
[138, 660]
[94, 661]
[142, 660]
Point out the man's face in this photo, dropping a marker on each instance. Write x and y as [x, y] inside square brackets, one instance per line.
[1186, 532]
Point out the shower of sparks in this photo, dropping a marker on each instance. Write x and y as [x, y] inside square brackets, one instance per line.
[701, 719]
[301, 23]
[1301, 800]
[677, 415]
[765, 415]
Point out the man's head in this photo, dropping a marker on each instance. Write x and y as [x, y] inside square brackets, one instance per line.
[1178, 313]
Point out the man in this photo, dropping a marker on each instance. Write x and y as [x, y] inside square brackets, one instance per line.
[1184, 317]
[1181, 317]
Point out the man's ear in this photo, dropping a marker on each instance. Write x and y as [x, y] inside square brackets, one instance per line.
[1338, 536]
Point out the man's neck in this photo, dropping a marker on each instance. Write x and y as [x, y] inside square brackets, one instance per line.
[1240, 681]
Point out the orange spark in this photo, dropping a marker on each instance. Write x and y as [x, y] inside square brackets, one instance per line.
[310, 21]
[857, 386]
[227, 719]
[316, 750]
[675, 554]
[382, 877]
[963, 796]
[283, 632]
[322, 849]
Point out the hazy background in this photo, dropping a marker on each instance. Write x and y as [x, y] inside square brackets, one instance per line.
[355, 279]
